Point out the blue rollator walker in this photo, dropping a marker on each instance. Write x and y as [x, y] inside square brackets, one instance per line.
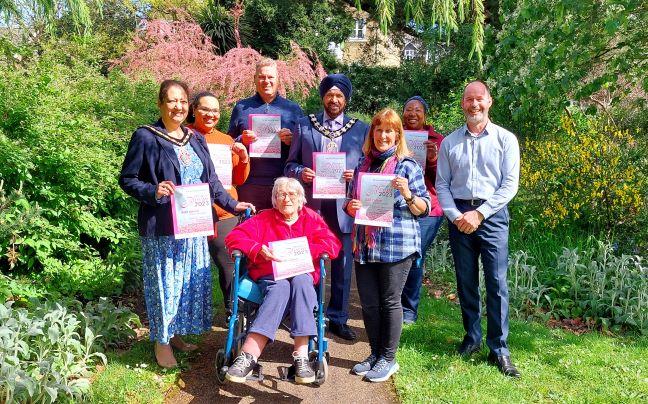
[246, 298]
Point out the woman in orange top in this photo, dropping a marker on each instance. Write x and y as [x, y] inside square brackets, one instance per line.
[204, 114]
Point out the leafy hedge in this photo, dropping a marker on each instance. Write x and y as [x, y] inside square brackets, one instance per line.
[47, 353]
[65, 128]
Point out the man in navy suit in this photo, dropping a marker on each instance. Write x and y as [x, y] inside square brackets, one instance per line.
[331, 131]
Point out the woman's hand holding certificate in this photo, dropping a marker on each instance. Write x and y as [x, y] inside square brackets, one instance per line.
[291, 257]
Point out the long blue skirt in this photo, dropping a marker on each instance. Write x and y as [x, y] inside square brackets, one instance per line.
[177, 286]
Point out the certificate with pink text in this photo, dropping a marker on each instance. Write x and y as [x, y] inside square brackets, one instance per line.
[377, 197]
[416, 143]
[191, 209]
[221, 155]
[266, 127]
[328, 182]
[295, 258]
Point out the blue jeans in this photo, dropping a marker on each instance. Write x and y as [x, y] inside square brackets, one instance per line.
[490, 243]
[412, 292]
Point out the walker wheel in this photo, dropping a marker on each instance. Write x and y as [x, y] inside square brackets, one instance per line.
[320, 368]
[322, 372]
[221, 369]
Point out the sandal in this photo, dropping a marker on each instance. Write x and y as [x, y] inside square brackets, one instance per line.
[179, 344]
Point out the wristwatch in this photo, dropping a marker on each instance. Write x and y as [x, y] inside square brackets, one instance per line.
[409, 200]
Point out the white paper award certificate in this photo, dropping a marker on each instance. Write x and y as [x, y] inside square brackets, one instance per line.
[377, 197]
[416, 142]
[328, 182]
[295, 258]
[266, 127]
[221, 155]
[192, 211]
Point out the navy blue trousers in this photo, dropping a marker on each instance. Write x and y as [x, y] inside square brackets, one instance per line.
[412, 291]
[341, 267]
[490, 242]
[295, 296]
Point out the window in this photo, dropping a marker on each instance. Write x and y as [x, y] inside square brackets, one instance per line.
[359, 30]
[409, 54]
[410, 51]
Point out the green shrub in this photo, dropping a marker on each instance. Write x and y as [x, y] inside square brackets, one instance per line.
[586, 176]
[592, 283]
[48, 353]
[64, 133]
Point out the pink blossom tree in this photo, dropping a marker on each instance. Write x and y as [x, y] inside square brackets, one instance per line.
[180, 49]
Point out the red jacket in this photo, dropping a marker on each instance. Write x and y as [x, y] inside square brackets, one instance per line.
[430, 173]
[269, 225]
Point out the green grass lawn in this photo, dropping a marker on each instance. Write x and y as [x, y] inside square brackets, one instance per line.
[556, 366]
[134, 376]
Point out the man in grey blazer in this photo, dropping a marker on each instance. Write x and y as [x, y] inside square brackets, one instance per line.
[331, 131]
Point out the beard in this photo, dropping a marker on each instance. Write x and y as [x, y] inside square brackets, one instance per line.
[476, 119]
[334, 110]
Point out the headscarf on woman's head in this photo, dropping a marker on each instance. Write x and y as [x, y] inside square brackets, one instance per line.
[419, 99]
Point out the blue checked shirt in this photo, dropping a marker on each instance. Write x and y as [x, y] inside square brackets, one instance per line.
[404, 237]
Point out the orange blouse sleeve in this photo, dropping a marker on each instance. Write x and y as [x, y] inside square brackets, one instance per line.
[240, 171]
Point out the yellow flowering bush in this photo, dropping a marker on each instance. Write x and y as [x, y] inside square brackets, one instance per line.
[584, 176]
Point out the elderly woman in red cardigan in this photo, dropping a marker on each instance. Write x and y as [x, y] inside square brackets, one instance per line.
[288, 219]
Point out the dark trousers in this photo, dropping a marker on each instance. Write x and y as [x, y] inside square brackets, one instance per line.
[490, 242]
[222, 259]
[412, 291]
[380, 286]
[341, 267]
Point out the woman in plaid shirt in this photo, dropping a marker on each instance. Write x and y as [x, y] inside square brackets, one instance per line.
[384, 255]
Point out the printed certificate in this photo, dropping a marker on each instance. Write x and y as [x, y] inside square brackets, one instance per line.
[377, 197]
[416, 142]
[265, 126]
[328, 182]
[295, 258]
[221, 155]
[192, 211]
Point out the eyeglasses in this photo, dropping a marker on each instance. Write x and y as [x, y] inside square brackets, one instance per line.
[283, 195]
[208, 111]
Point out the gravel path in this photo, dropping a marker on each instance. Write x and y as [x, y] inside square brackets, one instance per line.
[199, 385]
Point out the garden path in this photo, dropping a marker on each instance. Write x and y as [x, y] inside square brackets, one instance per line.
[198, 384]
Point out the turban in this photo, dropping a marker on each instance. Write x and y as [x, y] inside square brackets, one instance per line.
[338, 80]
[419, 99]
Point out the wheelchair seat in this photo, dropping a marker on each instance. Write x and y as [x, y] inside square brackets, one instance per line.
[249, 290]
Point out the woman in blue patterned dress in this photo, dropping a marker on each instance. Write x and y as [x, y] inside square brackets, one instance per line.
[176, 272]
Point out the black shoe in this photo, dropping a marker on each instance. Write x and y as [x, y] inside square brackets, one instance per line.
[504, 364]
[343, 331]
[466, 349]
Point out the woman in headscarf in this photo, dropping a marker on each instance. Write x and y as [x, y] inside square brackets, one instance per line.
[415, 111]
